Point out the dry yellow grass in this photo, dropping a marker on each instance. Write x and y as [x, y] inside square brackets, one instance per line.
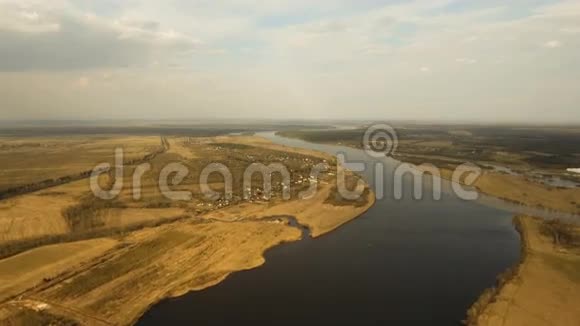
[164, 262]
[265, 143]
[29, 160]
[38, 214]
[320, 218]
[546, 290]
[464, 133]
[41, 213]
[177, 145]
[123, 217]
[172, 259]
[518, 189]
[22, 271]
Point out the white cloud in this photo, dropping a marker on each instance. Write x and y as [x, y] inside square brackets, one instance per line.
[327, 27]
[30, 15]
[466, 61]
[61, 38]
[570, 30]
[471, 38]
[17, 18]
[553, 44]
[326, 59]
[150, 31]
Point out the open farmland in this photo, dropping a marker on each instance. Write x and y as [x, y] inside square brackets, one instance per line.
[17, 273]
[27, 161]
[71, 210]
[93, 261]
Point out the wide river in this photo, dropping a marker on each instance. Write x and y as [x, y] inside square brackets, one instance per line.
[404, 262]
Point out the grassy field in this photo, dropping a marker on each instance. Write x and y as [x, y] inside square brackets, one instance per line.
[29, 160]
[543, 290]
[517, 189]
[33, 267]
[527, 165]
[523, 191]
[72, 208]
[543, 147]
[163, 262]
[152, 248]
[19, 316]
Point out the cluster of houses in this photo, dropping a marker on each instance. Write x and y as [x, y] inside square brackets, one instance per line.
[298, 167]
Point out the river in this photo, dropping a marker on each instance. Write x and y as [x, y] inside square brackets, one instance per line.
[403, 262]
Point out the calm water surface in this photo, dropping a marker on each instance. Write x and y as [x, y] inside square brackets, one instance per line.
[404, 262]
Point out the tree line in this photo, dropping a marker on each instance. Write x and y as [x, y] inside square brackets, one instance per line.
[49, 183]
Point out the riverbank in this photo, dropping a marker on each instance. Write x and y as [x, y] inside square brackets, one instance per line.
[496, 150]
[152, 264]
[365, 268]
[317, 212]
[543, 289]
[516, 189]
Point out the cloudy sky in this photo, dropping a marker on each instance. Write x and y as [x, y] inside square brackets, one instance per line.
[484, 60]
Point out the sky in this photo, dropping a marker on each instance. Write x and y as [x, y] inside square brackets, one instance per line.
[480, 60]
